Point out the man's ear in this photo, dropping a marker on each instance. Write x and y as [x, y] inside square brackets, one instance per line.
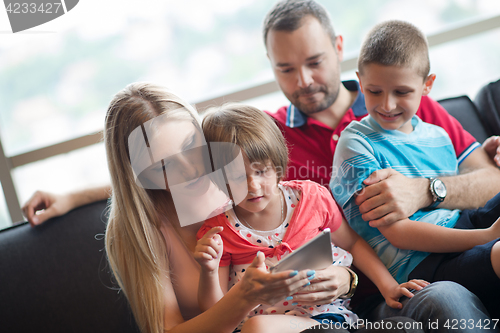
[359, 80]
[339, 47]
[428, 83]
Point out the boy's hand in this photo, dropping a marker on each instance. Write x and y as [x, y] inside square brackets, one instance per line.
[208, 250]
[392, 295]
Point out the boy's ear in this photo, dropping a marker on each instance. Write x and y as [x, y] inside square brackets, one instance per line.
[428, 83]
[359, 80]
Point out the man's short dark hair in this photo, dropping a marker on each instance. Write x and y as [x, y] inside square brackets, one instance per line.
[287, 15]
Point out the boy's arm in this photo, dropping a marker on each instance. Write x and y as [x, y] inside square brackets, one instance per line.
[427, 237]
[388, 198]
[367, 260]
[212, 286]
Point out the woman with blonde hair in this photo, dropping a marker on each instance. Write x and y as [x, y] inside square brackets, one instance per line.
[148, 250]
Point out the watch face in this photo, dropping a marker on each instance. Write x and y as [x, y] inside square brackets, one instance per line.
[439, 189]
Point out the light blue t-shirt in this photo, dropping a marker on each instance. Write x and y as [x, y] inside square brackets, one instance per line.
[365, 147]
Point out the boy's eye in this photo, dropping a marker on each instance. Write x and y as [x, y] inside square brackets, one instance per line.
[374, 92]
[314, 64]
[286, 70]
[402, 93]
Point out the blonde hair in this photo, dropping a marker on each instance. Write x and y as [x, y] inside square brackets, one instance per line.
[135, 246]
[251, 129]
[395, 43]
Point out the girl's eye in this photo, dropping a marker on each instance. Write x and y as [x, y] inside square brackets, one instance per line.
[374, 92]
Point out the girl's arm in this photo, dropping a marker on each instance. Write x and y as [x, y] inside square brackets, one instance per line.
[421, 236]
[257, 287]
[208, 253]
[369, 263]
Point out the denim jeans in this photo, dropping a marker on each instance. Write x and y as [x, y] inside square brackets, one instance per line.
[441, 307]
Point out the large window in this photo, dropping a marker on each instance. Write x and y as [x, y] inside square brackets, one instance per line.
[57, 79]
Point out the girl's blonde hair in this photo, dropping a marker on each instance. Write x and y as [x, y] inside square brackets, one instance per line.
[135, 246]
[251, 129]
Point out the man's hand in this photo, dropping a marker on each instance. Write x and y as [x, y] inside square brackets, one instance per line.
[43, 206]
[390, 197]
[492, 147]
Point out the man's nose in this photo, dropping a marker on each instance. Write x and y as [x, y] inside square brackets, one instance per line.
[305, 78]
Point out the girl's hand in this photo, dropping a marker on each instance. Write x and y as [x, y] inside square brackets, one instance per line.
[259, 286]
[392, 295]
[208, 250]
[326, 286]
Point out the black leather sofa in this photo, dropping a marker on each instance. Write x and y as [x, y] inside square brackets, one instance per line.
[55, 278]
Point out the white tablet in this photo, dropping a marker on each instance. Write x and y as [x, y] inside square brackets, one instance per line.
[315, 254]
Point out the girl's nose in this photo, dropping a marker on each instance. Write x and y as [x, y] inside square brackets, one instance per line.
[253, 185]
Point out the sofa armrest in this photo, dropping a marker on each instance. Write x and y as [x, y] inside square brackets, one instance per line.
[55, 277]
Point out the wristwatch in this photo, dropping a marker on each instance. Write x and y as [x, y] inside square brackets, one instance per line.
[353, 286]
[438, 191]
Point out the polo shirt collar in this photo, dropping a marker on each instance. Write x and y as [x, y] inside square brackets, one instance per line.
[296, 118]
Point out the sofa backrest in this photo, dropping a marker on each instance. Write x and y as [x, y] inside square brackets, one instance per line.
[464, 110]
[55, 277]
[488, 104]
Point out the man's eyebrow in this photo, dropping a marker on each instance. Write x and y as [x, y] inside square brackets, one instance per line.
[314, 57]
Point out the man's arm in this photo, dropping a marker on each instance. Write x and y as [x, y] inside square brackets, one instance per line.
[43, 205]
[478, 182]
[389, 196]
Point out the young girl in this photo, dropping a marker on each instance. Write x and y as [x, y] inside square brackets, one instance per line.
[272, 220]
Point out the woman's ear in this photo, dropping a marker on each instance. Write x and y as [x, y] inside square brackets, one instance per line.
[428, 83]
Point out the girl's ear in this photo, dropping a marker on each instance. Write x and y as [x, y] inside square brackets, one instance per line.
[428, 83]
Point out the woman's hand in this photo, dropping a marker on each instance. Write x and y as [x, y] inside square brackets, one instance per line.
[259, 286]
[48, 205]
[392, 295]
[325, 286]
[208, 250]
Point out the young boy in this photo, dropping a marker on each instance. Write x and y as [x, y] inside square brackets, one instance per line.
[394, 77]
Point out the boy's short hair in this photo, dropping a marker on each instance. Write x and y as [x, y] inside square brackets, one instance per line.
[396, 43]
[287, 15]
[250, 129]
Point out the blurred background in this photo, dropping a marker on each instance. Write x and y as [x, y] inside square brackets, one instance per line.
[57, 79]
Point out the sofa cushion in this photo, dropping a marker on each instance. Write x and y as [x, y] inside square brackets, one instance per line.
[55, 277]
